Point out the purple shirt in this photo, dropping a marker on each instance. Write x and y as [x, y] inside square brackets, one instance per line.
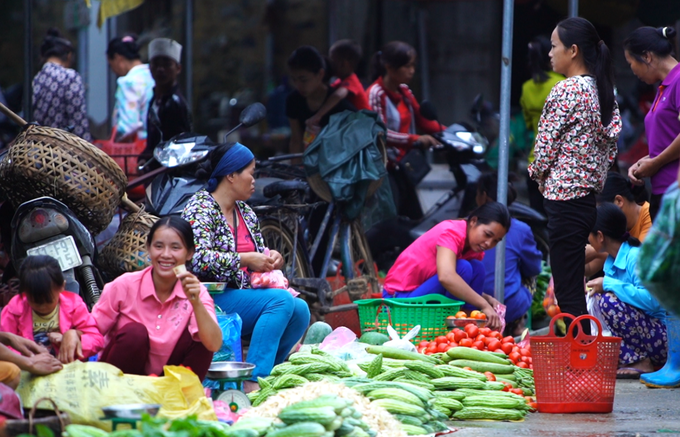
[662, 126]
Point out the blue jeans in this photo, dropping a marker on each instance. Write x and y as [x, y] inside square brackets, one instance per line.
[472, 272]
[273, 318]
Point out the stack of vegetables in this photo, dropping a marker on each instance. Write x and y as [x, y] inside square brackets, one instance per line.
[483, 339]
[421, 391]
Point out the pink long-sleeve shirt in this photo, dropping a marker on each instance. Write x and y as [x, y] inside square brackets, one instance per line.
[17, 318]
[132, 298]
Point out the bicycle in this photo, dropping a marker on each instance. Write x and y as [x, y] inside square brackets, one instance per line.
[285, 206]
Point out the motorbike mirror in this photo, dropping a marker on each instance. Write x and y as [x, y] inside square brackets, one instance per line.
[428, 110]
[253, 114]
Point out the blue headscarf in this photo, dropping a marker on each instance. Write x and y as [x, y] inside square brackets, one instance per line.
[234, 159]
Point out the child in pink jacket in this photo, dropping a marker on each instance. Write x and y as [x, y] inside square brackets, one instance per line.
[54, 318]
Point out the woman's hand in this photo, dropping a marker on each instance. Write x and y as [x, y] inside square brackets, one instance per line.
[55, 338]
[427, 141]
[191, 286]
[493, 320]
[71, 348]
[24, 346]
[278, 259]
[633, 173]
[258, 262]
[595, 286]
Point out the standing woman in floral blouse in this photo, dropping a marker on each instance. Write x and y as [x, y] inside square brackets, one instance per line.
[229, 246]
[575, 146]
[58, 91]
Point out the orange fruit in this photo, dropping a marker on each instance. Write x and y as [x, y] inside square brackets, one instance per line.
[553, 310]
[547, 302]
[473, 315]
[461, 315]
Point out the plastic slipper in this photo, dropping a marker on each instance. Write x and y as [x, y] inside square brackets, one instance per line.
[635, 375]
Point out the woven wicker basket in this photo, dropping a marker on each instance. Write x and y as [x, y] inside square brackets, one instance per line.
[45, 161]
[126, 251]
[320, 187]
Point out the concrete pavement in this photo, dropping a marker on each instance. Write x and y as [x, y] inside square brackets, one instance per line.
[638, 411]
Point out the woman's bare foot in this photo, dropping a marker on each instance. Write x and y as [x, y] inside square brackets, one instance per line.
[636, 369]
[249, 386]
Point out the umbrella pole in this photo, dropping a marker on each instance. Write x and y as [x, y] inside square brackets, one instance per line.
[573, 8]
[504, 139]
[28, 62]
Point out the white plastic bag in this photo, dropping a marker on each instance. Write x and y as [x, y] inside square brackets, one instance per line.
[402, 343]
[594, 310]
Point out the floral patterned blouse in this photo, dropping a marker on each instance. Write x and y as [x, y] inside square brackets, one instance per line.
[573, 150]
[216, 259]
[59, 99]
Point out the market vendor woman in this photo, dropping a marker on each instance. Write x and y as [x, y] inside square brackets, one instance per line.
[447, 260]
[161, 315]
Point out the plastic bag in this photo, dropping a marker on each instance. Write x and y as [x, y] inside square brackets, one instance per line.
[550, 301]
[594, 310]
[82, 389]
[658, 265]
[501, 310]
[338, 338]
[402, 343]
[273, 279]
[230, 325]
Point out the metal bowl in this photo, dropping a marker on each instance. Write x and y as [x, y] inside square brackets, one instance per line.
[230, 370]
[461, 323]
[215, 287]
[130, 411]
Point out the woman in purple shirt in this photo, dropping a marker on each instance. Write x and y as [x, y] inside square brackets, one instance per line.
[649, 54]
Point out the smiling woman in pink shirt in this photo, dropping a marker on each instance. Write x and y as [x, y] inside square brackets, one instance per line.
[161, 315]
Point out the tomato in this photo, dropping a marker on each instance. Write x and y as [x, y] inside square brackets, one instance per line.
[485, 331]
[478, 345]
[525, 359]
[490, 376]
[450, 337]
[442, 347]
[428, 353]
[507, 348]
[421, 350]
[548, 301]
[534, 406]
[553, 310]
[509, 339]
[515, 349]
[486, 340]
[472, 330]
[459, 335]
[423, 343]
[466, 342]
[461, 315]
[480, 337]
[525, 352]
[432, 347]
[514, 356]
[480, 316]
[506, 387]
[452, 345]
[517, 391]
[531, 366]
[473, 315]
[497, 335]
[493, 344]
[528, 347]
[523, 365]
[441, 339]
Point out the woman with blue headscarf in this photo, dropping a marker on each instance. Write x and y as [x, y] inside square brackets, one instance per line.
[229, 247]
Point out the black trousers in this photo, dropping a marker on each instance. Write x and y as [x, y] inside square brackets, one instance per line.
[655, 205]
[569, 224]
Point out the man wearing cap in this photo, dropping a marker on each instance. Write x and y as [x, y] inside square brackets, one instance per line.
[168, 113]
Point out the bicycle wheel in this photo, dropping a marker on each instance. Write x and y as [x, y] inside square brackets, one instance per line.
[360, 262]
[278, 237]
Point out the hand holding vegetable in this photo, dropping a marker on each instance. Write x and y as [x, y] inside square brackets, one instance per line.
[595, 286]
[190, 284]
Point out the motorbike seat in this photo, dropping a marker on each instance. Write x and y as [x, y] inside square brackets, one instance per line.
[284, 188]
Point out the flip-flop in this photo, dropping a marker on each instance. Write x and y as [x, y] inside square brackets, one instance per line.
[635, 375]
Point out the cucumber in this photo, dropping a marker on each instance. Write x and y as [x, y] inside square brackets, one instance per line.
[317, 332]
[294, 414]
[391, 352]
[304, 429]
[468, 353]
[482, 367]
[476, 413]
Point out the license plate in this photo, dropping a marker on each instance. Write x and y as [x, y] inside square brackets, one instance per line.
[63, 250]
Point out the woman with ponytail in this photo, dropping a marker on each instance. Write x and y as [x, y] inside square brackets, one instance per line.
[58, 90]
[230, 247]
[650, 54]
[575, 147]
[135, 88]
[628, 309]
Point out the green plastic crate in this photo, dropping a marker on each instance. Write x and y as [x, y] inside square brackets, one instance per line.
[430, 312]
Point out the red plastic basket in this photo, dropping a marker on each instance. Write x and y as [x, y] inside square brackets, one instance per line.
[575, 374]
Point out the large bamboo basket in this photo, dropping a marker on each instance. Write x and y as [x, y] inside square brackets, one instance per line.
[45, 161]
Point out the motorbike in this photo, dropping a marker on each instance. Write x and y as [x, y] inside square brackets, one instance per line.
[46, 226]
[463, 147]
[175, 182]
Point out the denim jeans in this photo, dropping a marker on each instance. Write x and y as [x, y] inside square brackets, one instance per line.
[273, 318]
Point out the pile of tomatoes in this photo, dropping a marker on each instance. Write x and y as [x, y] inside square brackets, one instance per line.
[483, 339]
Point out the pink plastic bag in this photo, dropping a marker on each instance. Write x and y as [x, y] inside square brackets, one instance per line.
[273, 279]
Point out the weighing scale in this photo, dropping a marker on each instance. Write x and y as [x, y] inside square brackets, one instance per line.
[224, 372]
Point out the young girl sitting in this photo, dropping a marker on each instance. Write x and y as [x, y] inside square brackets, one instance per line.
[628, 309]
[45, 313]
